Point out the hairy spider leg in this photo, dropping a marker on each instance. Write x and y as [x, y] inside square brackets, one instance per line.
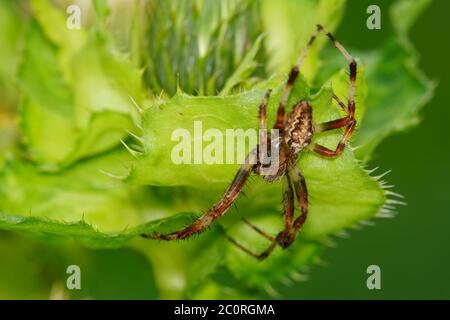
[288, 214]
[258, 230]
[219, 209]
[349, 120]
[288, 201]
[293, 74]
[261, 256]
[301, 193]
[264, 142]
[340, 103]
[292, 227]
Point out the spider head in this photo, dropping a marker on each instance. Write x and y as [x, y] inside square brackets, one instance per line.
[299, 127]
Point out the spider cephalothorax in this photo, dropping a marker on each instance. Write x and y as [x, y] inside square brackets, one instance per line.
[296, 131]
[295, 135]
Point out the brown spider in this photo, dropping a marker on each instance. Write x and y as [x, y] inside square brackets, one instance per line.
[295, 134]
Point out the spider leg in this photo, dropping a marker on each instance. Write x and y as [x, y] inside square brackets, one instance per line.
[337, 123]
[302, 197]
[281, 238]
[286, 237]
[289, 234]
[340, 103]
[218, 210]
[349, 121]
[264, 143]
[260, 256]
[326, 152]
[334, 124]
[262, 110]
[352, 68]
[293, 74]
[258, 230]
[288, 202]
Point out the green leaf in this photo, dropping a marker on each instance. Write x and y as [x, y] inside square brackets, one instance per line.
[53, 22]
[81, 203]
[11, 35]
[78, 111]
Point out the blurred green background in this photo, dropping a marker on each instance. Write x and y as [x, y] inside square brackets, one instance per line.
[411, 249]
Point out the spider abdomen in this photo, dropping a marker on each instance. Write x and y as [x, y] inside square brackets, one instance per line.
[299, 128]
